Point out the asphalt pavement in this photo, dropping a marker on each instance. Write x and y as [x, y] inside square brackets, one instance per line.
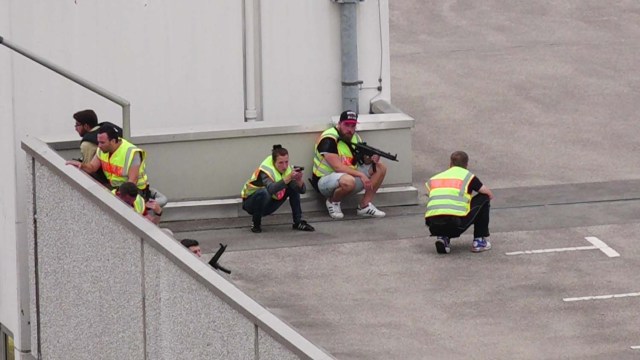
[544, 98]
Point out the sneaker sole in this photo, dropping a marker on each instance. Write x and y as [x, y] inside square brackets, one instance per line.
[371, 216]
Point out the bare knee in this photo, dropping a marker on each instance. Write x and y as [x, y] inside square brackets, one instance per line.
[347, 183]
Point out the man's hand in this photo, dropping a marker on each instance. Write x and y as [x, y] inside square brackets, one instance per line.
[75, 163]
[366, 181]
[153, 205]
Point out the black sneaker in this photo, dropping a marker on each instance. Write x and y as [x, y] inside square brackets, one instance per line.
[302, 226]
[442, 245]
[255, 228]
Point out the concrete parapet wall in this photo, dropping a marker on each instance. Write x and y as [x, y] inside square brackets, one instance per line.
[106, 283]
[202, 170]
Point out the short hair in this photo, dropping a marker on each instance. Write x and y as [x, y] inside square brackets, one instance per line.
[128, 188]
[278, 150]
[189, 243]
[87, 117]
[111, 131]
[460, 158]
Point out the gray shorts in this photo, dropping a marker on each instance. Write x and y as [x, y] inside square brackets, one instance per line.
[328, 183]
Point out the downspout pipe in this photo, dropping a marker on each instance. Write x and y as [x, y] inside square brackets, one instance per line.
[124, 103]
[250, 112]
[349, 49]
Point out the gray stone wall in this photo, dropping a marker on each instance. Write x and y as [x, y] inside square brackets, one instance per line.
[108, 284]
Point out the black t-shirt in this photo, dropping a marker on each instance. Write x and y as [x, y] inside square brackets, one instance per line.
[475, 185]
[328, 145]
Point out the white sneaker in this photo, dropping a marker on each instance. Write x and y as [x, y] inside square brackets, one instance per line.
[371, 211]
[334, 210]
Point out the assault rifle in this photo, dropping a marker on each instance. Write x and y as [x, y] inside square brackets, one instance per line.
[214, 260]
[360, 150]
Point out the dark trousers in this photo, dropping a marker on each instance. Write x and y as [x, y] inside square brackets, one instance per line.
[454, 226]
[261, 204]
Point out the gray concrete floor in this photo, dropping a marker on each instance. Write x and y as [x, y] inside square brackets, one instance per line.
[543, 96]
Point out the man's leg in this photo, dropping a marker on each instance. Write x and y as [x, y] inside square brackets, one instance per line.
[345, 187]
[376, 178]
[366, 207]
[444, 228]
[479, 217]
[335, 186]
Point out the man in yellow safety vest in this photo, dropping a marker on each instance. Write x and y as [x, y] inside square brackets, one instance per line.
[128, 193]
[452, 209]
[337, 174]
[120, 160]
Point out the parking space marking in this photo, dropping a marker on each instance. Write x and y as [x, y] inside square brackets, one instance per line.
[636, 347]
[541, 251]
[597, 244]
[602, 246]
[601, 297]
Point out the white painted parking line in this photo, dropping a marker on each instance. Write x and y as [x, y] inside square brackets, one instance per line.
[597, 245]
[635, 347]
[602, 297]
[602, 246]
[541, 251]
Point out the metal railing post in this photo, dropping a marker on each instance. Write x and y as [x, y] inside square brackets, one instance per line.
[124, 103]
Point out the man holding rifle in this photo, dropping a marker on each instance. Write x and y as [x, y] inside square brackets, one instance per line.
[337, 172]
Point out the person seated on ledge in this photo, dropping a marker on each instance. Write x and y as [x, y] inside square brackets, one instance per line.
[128, 193]
[270, 185]
[337, 174]
[119, 159]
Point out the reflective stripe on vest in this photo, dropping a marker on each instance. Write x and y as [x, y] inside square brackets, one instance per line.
[320, 165]
[138, 203]
[116, 166]
[268, 168]
[448, 193]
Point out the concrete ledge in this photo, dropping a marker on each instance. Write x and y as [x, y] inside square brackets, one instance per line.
[311, 201]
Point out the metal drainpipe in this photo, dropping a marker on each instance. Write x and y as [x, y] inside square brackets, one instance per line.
[349, 44]
[250, 112]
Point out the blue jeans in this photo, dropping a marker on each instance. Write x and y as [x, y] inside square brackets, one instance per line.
[261, 204]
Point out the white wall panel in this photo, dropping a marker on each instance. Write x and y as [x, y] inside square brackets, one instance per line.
[179, 63]
[301, 67]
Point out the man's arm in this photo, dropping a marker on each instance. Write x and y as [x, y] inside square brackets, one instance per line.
[485, 190]
[90, 168]
[134, 168]
[334, 161]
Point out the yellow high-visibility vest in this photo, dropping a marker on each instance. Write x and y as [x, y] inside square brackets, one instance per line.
[320, 165]
[138, 204]
[448, 193]
[268, 168]
[116, 167]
